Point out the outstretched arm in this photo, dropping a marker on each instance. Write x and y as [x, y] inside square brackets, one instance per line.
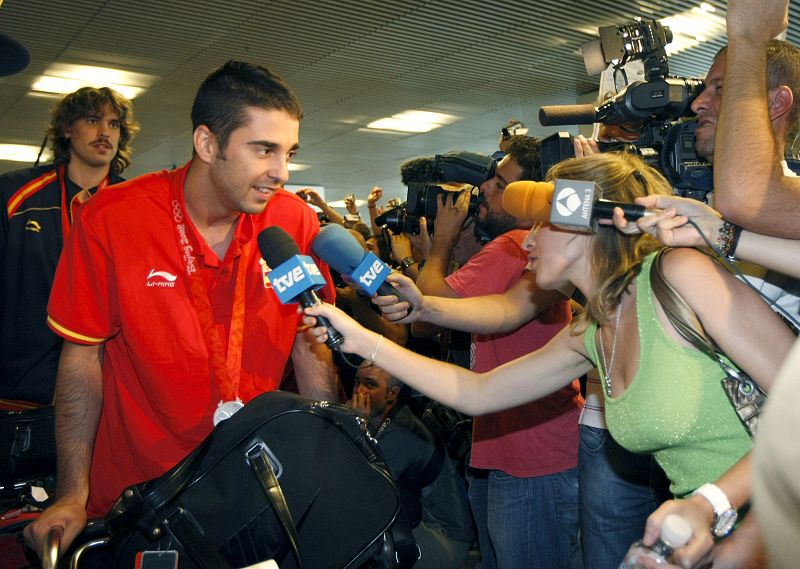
[528, 378]
[79, 400]
[671, 227]
[492, 314]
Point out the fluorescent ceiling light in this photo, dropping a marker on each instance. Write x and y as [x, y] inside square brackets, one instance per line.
[22, 153]
[691, 27]
[412, 121]
[63, 78]
[296, 166]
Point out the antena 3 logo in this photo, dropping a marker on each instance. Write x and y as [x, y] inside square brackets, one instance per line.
[568, 202]
[161, 279]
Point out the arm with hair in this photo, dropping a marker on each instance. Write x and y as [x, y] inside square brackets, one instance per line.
[490, 314]
[313, 368]
[671, 227]
[750, 187]
[78, 403]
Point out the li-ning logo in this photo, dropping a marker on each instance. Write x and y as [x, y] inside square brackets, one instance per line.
[33, 225]
[163, 279]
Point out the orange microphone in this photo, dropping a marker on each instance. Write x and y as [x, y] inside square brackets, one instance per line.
[529, 200]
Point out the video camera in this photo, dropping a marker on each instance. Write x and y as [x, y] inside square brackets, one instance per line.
[421, 176]
[660, 103]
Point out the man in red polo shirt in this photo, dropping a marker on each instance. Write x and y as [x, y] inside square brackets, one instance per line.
[161, 296]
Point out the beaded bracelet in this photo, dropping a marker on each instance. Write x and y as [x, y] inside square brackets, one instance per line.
[728, 239]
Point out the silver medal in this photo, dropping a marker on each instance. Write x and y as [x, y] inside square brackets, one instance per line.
[226, 410]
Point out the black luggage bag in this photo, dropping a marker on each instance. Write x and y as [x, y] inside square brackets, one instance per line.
[285, 478]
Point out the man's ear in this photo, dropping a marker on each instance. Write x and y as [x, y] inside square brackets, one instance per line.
[780, 101]
[205, 143]
[393, 393]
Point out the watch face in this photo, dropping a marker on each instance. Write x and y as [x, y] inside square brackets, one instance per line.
[725, 523]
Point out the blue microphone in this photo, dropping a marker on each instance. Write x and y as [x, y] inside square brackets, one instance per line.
[294, 277]
[337, 247]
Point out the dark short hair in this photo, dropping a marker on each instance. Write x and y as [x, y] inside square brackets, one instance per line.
[88, 101]
[222, 99]
[526, 150]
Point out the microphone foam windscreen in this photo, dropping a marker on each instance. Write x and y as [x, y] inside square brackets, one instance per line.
[276, 246]
[336, 246]
[528, 200]
[419, 170]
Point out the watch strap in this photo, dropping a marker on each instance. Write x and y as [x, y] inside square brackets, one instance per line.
[724, 514]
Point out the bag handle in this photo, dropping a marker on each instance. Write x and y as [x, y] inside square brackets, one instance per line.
[681, 315]
[259, 461]
[750, 396]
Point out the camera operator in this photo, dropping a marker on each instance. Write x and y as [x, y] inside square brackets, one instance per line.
[528, 454]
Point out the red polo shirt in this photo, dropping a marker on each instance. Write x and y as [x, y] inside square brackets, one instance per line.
[122, 281]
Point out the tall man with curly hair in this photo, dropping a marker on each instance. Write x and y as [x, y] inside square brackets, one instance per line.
[90, 131]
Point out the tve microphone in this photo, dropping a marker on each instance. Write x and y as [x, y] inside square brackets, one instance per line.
[571, 204]
[294, 277]
[337, 247]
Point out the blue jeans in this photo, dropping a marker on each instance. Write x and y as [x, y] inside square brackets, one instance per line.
[478, 490]
[533, 522]
[619, 489]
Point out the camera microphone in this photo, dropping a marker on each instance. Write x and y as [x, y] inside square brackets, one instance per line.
[294, 277]
[455, 166]
[337, 247]
[558, 115]
[570, 204]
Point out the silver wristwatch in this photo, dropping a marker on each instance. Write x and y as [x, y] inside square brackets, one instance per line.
[724, 514]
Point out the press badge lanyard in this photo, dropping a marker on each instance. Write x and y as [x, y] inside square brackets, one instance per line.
[227, 368]
[80, 198]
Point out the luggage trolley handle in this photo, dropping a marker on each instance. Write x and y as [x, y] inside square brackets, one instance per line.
[52, 543]
[259, 462]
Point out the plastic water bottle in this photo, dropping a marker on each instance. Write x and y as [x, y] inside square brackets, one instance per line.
[675, 533]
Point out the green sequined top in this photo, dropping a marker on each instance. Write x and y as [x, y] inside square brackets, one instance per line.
[675, 408]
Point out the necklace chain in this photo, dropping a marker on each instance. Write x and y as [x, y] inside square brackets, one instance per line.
[606, 366]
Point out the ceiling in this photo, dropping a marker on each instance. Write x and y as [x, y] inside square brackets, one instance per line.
[349, 61]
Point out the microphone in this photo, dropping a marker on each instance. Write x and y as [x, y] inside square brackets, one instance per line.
[294, 277]
[571, 204]
[454, 166]
[337, 247]
[556, 115]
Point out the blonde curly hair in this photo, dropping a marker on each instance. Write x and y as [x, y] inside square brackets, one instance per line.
[616, 258]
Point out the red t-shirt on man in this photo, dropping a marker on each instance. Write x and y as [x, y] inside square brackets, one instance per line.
[122, 280]
[538, 438]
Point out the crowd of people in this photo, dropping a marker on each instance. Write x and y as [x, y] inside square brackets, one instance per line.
[593, 416]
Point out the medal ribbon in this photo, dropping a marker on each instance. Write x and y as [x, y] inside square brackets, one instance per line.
[227, 368]
[68, 211]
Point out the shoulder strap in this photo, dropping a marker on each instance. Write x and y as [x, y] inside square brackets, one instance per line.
[681, 315]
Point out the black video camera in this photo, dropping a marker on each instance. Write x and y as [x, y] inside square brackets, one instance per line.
[661, 104]
[421, 176]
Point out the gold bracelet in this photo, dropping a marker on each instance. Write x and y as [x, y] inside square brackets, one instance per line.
[371, 357]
